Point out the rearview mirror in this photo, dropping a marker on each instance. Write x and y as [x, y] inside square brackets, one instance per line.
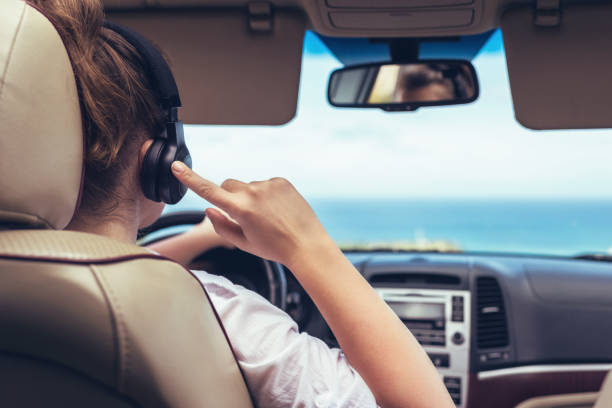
[406, 86]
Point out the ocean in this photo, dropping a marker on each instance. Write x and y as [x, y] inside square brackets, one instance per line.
[543, 227]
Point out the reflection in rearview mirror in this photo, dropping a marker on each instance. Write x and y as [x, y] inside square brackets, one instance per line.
[404, 86]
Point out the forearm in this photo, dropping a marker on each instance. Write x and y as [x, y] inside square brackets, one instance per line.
[273, 221]
[183, 248]
[375, 341]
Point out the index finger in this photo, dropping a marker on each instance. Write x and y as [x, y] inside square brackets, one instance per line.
[202, 187]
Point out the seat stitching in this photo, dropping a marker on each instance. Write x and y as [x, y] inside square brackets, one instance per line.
[113, 319]
[37, 217]
[123, 349]
[11, 49]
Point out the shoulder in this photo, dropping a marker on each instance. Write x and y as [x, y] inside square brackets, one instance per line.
[235, 301]
[282, 366]
[217, 285]
[255, 327]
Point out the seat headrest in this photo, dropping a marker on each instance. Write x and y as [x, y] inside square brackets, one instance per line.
[41, 133]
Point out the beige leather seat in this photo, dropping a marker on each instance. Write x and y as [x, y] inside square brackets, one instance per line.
[85, 321]
[604, 399]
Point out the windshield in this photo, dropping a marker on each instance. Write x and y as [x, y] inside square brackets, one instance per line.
[465, 178]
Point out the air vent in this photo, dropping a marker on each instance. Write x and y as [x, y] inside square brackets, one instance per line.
[492, 328]
[414, 278]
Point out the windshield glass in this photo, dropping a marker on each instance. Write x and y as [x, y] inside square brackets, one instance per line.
[465, 177]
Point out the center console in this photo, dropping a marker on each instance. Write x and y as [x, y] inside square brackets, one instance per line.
[440, 321]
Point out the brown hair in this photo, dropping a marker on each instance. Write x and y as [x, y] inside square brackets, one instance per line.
[118, 105]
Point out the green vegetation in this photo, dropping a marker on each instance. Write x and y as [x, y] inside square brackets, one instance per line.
[403, 246]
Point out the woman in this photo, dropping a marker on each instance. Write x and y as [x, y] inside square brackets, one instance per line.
[268, 218]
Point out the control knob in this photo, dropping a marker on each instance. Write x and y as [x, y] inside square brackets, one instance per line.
[458, 338]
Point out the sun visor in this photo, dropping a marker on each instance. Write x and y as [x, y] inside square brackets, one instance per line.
[231, 68]
[561, 74]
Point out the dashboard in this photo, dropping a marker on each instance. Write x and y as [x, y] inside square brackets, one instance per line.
[499, 329]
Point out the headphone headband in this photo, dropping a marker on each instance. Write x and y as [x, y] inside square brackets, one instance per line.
[158, 70]
[156, 178]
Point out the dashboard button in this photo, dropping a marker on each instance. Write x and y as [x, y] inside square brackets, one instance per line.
[452, 382]
[440, 360]
[457, 307]
[457, 316]
[453, 385]
[456, 396]
[497, 355]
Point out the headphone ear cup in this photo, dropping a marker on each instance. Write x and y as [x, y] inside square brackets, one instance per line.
[178, 189]
[149, 173]
[170, 189]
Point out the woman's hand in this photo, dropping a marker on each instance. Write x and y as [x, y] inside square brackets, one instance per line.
[269, 219]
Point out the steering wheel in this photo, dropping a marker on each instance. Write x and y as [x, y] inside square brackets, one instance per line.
[273, 273]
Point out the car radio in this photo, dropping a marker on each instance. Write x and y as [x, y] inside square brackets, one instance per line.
[440, 321]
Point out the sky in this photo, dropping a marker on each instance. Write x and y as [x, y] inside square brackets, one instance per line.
[466, 151]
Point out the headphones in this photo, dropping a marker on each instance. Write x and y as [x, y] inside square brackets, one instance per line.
[156, 178]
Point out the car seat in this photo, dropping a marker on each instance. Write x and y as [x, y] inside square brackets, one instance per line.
[85, 320]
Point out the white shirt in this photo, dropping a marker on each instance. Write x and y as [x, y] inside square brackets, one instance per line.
[283, 367]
